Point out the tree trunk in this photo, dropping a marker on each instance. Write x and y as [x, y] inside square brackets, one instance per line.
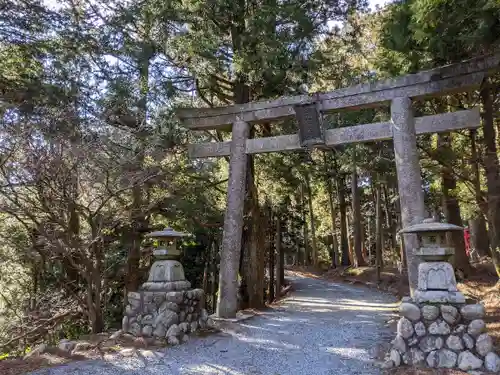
[253, 246]
[279, 255]
[479, 234]
[357, 220]
[331, 202]
[313, 224]
[379, 262]
[270, 247]
[304, 225]
[344, 246]
[492, 175]
[451, 208]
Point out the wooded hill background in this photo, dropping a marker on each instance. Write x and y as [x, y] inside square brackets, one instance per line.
[92, 156]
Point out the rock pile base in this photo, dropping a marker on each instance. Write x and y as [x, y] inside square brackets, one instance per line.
[442, 335]
[166, 315]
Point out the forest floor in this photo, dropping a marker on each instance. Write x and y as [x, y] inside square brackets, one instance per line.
[321, 328]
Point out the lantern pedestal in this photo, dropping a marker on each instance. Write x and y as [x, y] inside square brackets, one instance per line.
[437, 328]
[165, 308]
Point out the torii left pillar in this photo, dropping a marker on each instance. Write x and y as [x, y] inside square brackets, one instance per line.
[227, 302]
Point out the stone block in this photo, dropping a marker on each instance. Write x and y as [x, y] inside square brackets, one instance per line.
[446, 358]
[454, 343]
[413, 357]
[172, 340]
[476, 327]
[430, 312]
[405, 328]
[450, 314]
[439, 327]
[409, 311]
[420, 329]
[436, 276]
[492, 362]
[472, 312]
[468, 341]
[461, 328]
[166, 318]
[395, 357]
[484, 344]
[398, 343]
[176, 297]
[147, 330]
[166, 270]
[438, 296]
[468, 361]
[429, 343]
[173, 330]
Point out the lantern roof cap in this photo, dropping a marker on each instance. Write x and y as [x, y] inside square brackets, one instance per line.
[431, 225]
[166, 233]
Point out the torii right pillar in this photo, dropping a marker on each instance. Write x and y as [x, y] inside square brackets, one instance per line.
[411, 194]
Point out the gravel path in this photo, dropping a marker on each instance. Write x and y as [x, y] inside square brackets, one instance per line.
[322, 328]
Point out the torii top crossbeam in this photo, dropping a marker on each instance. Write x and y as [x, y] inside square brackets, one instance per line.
[436, 82]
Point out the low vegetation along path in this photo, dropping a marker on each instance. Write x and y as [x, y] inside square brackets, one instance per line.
[321, 328]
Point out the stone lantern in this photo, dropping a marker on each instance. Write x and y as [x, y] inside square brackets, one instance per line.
[166, 273]
[436, 278]
[437, 328]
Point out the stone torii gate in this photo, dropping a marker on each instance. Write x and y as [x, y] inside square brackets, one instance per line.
[403, 129]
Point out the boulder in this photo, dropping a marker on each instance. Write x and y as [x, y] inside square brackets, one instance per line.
[430, 343]
[184, 338]
[454, 343]
[468, 361]
[125, 323]
[159, 331]
[446, 358]
[472, 312]
[442, 358]
[476, 327]
[492, 362]
[172, 340]
[194, 326]
[399, 344]
[430, 312]
[37, 350]
[166, 318]
[413, 357]
[66, 345]
[405, 328]
[135, 329]
[409, 311]
[395, 357]
[468, 341]
[81, 346]
[204, 315]
[449, 314]
[147, 330]
[173, 330]
[439, 327]
[461, 328]
[484, 344]
[116, 335]
[420, 329]
[176, 297]
[184, 327]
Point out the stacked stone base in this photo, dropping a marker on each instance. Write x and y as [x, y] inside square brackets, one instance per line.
[166, 315]
[441, 335]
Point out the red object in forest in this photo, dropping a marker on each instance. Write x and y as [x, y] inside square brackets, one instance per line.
[467, 241]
